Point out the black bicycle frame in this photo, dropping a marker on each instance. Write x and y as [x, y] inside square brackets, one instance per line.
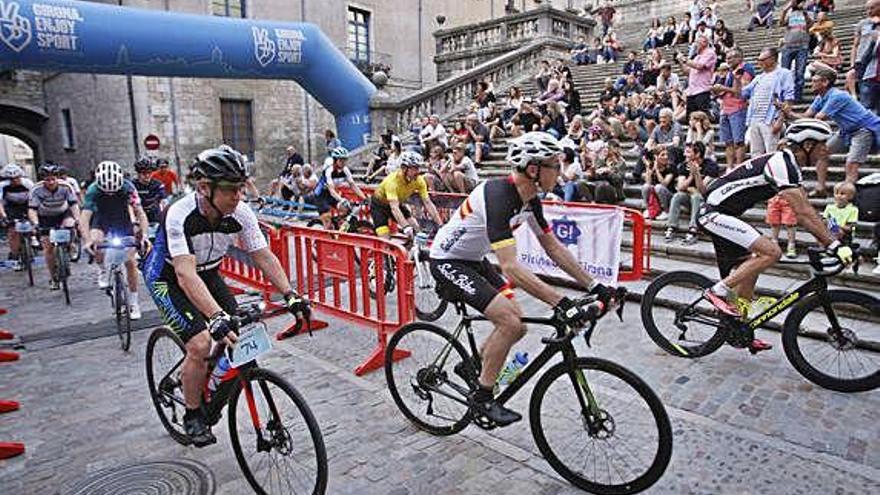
[816, 284]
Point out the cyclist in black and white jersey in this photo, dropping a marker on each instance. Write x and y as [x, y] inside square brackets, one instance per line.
[334, 174]
[485, 222]
[741, 251]
[182, 270]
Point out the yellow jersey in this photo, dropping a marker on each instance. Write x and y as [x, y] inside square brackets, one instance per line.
[396, 188]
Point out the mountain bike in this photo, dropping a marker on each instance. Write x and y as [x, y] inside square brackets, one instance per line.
[26, 231]
[276, 439]
[60, 240]
[831, 337]
[115, 255]
[595, 422]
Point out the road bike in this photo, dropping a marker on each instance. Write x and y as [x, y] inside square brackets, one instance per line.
[25, 230]
[276, 439]
[830, 336]
[595, 422]
[429, 305]
[60, 239]
[115, 255]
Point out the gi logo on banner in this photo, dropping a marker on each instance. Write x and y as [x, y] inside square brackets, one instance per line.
[15, 30]
[566, 231]
[264, 47]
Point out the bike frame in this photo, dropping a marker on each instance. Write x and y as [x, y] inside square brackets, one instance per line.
[814, 285]
[584, 394]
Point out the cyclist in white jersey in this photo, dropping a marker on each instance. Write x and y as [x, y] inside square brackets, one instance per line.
[484, 223]
[742, 252]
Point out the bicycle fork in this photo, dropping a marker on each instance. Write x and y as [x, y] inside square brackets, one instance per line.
[590, 411]
[273, 426]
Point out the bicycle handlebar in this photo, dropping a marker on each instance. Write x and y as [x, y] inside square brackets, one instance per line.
[595, 309]
[824, 263]
[118, 243]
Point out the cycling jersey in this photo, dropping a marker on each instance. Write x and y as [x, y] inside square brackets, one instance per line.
[396, 188]
[475, 228]
[15, 198]
[337, 177]
[55, 203]
[151, 193]
[70, 181]
[755, 180]
[185, 230]
[111, 210]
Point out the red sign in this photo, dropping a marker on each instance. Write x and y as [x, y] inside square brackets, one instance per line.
[151, 142]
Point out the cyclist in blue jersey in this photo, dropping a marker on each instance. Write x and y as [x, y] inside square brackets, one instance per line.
[334, 175]
[107, 210]
[150, 190]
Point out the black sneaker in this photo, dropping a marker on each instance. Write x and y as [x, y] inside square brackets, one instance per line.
[483, 403]
[199, 433]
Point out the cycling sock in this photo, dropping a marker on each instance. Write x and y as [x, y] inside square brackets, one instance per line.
[721, 289]
[192, 413]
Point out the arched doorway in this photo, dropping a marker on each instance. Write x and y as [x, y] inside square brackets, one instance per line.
[21, 129]
[14, 150]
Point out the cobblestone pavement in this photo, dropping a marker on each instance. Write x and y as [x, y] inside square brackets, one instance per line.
[742, 424]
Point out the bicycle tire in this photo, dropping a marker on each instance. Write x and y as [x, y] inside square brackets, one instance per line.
[655, 406]
[457, 424]
[794, 352]
[317, 439]
[27, 258]
[389, 271]
[62, 271]
[75, 247]
[649, 303]
[123, 315]
[430, 306]
[162, 403]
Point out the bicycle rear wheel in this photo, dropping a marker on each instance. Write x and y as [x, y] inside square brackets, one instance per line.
[123, 316]
[164, 359]
[425, 386]
[620, 443]
[276, 439]
[828, 347]
[678, 318]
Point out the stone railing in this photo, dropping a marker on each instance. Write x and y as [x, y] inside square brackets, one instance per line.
[462, 48]
[452, 97]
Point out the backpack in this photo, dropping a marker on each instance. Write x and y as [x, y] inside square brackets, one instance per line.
[868, 198]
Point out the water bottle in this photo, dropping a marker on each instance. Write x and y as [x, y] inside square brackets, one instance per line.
[833, 227]
[513, 368]
[216, 377]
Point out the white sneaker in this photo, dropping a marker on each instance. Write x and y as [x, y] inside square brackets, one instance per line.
[103, 279]
[662, 216]
[134, 310]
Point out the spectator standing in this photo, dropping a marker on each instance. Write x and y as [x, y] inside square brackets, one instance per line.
[732, 125]
[331, 142]
[864, 66]
[606, 16]
[781, 214]
[796, 44]
[542, 78]
[700, 71]
[768, 90]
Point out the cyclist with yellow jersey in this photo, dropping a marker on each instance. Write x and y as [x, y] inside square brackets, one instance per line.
[395, 189]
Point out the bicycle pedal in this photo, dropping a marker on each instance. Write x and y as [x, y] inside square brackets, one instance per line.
[484, 422]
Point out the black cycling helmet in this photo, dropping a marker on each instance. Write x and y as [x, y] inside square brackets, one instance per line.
[144, 164]
[48, 168]
[220, 165]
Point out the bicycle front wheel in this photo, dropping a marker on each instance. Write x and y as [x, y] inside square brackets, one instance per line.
[831, 346]
[620, 443]
[426, 386]
[276, 439]
[123, 316]
[27, 258]
[62, 270]
[429, 305]
[678, 318]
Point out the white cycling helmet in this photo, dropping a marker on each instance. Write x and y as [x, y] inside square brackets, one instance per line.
[411, 159]
[532, 146]
[109, 177]
[803, 129]
[11, 171]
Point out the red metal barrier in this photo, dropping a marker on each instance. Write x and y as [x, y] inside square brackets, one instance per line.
[6, 356]
[6, 334]
[333, 270]
[447, 203]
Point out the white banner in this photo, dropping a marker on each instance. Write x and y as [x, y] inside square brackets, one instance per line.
[592, 235]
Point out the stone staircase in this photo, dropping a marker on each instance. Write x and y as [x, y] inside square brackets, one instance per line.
[667, 256]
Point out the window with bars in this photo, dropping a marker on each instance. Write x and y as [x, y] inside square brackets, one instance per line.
[358, 35]
[67, 129]
[228, 8]
[238, 125]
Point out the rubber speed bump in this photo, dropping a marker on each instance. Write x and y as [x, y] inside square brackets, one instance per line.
[8, 406]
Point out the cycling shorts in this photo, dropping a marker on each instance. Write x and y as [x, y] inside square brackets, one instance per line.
[177, 310]
[732, 238]
[324, 202]
[54, 221]
[381, 214]
[16, 212]
[473, 282]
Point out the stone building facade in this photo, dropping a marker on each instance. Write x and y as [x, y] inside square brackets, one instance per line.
[82, 119]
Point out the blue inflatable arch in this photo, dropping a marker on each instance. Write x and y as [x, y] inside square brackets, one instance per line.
[72, 36]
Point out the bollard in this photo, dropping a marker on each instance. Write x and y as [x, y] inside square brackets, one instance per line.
[10, 449]
[3, 311]
[8, 406]
[6, 334]
[6, 356]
